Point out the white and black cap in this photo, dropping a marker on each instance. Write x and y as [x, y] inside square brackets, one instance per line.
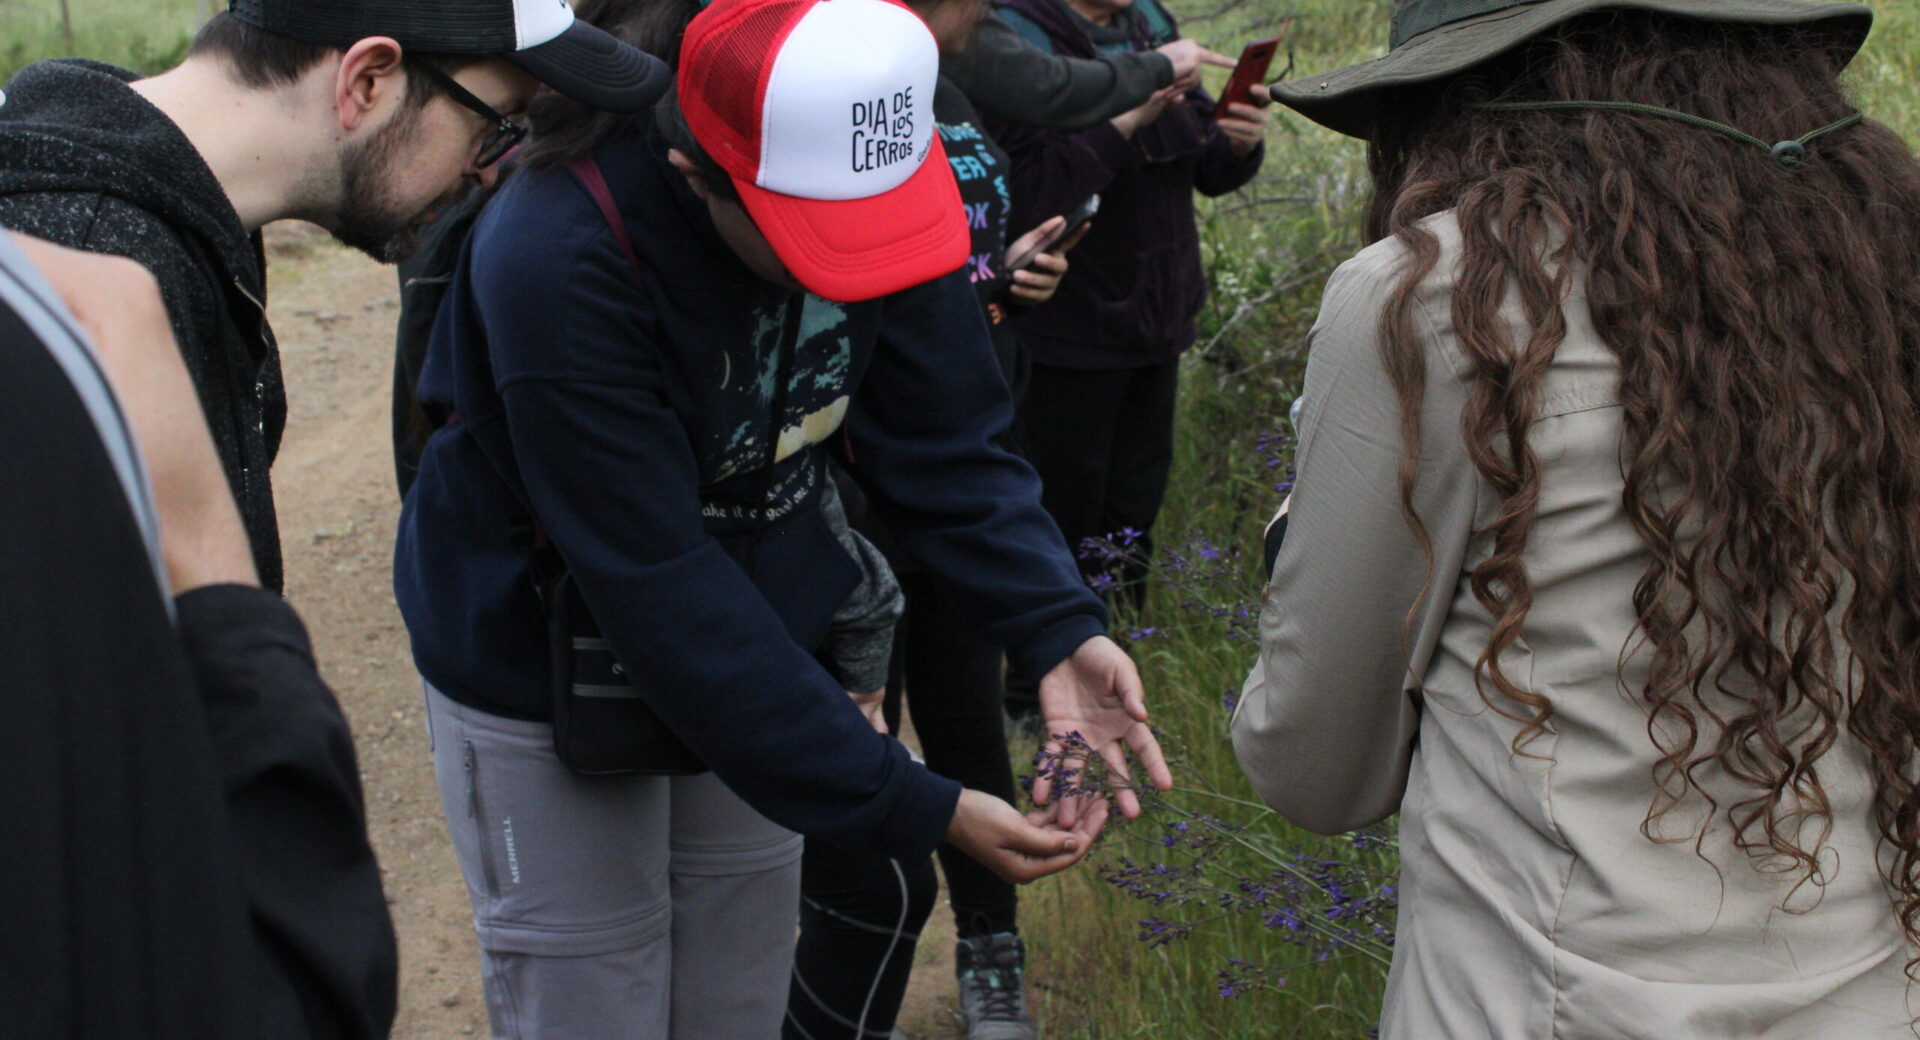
[540, 36]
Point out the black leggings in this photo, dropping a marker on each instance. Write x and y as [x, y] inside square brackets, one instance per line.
[957, 698]
[851, 902]
[848, 958]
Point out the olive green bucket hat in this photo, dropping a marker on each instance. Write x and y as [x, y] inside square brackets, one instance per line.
[1433, 40]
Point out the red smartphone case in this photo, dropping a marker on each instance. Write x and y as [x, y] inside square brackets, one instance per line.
[1252, 68]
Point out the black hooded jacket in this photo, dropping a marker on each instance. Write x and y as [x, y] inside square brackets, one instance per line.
[87, 162]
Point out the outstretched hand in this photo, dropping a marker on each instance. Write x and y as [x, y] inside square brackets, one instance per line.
[1020, 848]
[1096, 693]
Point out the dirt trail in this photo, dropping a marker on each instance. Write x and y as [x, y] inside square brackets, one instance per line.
[334, 313]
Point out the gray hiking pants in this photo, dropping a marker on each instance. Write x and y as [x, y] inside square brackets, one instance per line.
[613, 908]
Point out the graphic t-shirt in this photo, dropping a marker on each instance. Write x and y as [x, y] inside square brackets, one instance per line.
[816, 404]
[982, 170]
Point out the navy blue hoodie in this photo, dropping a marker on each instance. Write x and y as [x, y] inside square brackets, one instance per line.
[633, 418]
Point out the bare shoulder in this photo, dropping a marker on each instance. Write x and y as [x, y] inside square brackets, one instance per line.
[81, 271]
[116, 300]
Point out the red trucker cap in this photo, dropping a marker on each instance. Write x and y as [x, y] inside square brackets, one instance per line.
[822, 112]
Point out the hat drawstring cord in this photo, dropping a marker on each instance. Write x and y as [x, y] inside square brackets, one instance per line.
[1789, 154]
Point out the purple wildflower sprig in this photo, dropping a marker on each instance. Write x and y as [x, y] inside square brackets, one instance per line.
[1325, 899]
[1324, 904]
[1275, 449]
[1241, 977]
[1073, 769]
[1211, 583]
[1070, 767]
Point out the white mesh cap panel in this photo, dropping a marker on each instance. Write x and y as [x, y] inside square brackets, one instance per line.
[540, 21]
[849, 105]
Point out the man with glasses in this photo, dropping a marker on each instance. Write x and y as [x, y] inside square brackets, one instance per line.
[503, 134]
[366, 117]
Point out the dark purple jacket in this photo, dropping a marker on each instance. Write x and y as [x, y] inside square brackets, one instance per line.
[1136, 283]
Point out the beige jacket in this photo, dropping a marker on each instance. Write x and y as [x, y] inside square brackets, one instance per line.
[1532, 907]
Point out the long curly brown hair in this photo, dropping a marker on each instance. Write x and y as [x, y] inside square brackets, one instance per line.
[1767, 326]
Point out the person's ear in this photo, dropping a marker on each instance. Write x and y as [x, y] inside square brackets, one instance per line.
[371, 75]
[695, 178]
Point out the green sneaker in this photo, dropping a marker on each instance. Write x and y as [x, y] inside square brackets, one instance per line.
[993, 992]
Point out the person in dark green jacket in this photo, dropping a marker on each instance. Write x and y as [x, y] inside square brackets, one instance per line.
[1006, 77]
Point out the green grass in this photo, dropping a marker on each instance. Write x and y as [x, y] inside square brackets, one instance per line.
[143, 35]
[1887, 75]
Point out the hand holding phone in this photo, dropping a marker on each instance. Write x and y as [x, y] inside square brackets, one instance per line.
[1252, 68]
[1020, 260]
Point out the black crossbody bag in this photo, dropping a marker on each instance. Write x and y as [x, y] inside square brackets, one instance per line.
[601, 726]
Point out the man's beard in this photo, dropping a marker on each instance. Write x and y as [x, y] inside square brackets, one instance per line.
[366, 219]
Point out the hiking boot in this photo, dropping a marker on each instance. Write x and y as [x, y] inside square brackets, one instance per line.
[993, 992]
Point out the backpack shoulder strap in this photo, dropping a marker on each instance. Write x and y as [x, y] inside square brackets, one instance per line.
[590, 177]
[1028, 29]
[1160, 28]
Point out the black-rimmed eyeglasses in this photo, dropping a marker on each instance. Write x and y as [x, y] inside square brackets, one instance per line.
[505, 133]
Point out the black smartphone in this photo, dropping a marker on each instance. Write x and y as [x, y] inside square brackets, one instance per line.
[1074, 220]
